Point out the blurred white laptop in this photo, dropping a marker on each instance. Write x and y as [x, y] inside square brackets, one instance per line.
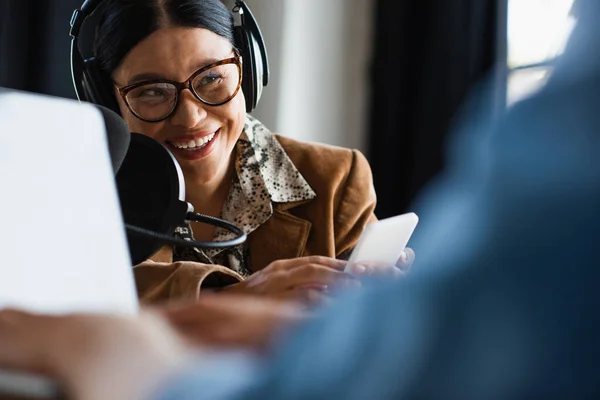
[62, 240]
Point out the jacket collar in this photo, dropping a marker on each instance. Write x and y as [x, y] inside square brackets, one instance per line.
[268, 184]
[262, 153]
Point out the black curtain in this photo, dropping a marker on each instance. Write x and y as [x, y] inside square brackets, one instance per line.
[35, 45]
[428, 54]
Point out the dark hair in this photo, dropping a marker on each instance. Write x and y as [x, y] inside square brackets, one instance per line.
[125, 23]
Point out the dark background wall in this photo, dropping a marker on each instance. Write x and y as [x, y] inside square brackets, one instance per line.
[428, 56]
[34, 45]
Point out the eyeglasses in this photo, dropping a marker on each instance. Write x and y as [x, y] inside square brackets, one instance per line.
[156, 100]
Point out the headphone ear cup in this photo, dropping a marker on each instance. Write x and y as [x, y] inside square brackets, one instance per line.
[258, 69]
[249, 79]
[98, 86]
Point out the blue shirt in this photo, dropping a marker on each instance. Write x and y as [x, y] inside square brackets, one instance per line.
[504, 299]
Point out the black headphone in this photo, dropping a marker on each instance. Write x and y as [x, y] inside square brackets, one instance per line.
[94, 85]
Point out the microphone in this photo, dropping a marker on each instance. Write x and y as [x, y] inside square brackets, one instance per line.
[151, 191]
[118, 136]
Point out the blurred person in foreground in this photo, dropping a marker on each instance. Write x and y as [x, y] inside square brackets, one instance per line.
[510, 312]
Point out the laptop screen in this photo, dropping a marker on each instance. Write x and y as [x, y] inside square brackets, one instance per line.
[62, 237]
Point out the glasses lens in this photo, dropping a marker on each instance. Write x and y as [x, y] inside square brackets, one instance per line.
[217, 84]
[153, 101]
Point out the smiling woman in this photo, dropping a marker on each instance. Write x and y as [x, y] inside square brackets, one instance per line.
[178, 72]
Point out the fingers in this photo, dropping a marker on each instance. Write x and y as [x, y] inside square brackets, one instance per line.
[22, 337]
[367, 269]
[317, 275]
[81, 351]
[237, 308]
[406, 259]
[311, 297]
[283, 275]
[211, 307]
[235, 320]
[9, 315]
[290, 264]
[182, 312]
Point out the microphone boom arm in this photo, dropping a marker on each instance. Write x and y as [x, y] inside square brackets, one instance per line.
[241, 235]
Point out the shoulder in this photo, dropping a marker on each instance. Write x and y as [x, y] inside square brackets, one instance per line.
[343, 183]
[321, 162]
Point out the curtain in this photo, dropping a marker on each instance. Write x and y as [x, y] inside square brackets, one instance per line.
[428, 54]
[35, 45]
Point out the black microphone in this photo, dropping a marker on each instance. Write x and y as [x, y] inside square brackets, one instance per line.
[151, 192]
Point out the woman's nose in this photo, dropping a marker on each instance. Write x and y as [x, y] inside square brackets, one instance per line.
[190, 111]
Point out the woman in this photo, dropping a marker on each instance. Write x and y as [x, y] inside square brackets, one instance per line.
[293, 199]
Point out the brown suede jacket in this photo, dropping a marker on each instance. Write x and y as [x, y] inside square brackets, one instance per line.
[328, 225]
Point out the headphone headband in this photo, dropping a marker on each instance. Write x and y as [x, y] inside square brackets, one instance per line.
[87, 8]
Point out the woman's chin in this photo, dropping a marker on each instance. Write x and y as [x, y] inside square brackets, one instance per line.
[200, 172]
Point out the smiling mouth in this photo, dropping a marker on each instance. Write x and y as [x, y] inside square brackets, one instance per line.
[196, 144]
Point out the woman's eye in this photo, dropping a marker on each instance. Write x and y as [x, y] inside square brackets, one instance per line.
[210, 79]
[152, 93]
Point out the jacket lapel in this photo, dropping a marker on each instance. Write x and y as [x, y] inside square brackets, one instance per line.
[283, 236]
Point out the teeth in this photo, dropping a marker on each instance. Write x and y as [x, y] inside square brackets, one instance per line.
[195, 145]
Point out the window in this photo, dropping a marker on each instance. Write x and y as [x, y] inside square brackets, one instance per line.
[538, 31]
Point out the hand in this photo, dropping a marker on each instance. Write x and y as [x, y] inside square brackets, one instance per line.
[297, 279]
[84, 353]
[369, 269]
[232, 320]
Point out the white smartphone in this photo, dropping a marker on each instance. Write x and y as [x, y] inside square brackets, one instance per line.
[382, 242]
